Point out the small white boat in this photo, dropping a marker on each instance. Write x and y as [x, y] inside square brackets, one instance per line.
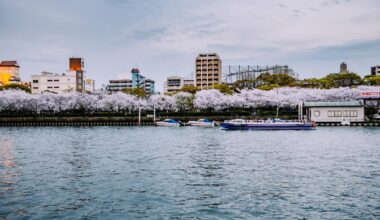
[169, 123]
[202, 122]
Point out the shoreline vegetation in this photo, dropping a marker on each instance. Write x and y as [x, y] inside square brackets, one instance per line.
[258, 99]
[204, 103]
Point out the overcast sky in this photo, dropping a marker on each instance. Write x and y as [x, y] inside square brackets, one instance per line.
[162, 38]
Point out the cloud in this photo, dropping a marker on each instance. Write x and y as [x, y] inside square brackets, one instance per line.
[162, 37]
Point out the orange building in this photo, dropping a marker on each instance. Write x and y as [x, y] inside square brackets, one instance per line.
[76, 64]
[9, 72]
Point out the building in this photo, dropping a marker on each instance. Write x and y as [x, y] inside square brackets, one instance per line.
[118, 85]
[343, 68]
[9, 72]
[149, 86]
[188, 82]
[352, 111]
[138, 81]
[76, 66]
[208, 70]
[173, 84]
[53, 82]
[89, 85]
[375, 70]
[70, 81]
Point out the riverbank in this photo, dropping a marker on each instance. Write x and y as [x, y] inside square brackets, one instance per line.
[131, 121]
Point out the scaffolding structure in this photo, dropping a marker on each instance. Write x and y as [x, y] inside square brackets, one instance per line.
[249, 72]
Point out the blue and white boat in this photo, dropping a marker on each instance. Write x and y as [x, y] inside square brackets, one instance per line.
[169, 123]
[202, 122]
[269, 124]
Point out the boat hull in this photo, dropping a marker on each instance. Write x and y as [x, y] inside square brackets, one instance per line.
[229, 126]
[168, 124]
[202, 124]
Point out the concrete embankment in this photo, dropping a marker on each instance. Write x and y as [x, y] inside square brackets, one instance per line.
[130, 121]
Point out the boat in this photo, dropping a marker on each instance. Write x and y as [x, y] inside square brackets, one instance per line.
[269, 124]
[202, 122]
[169, 123]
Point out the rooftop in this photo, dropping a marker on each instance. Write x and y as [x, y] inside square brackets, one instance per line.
[334, 104]
[9, 63]
[120, 81]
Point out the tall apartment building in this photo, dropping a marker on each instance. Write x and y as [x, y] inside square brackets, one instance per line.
[375, 70]
[208, 70]
[70, 81]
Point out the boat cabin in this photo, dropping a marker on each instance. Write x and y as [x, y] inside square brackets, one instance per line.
[352, 111]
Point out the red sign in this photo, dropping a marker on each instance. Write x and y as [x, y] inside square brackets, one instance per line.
[370, 94]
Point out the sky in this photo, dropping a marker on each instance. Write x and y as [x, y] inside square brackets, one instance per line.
[163, 37]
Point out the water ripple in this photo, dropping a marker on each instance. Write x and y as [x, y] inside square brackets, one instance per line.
[188, 173]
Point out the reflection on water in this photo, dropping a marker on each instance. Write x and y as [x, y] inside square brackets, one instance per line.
[188, 173]
[6, 154]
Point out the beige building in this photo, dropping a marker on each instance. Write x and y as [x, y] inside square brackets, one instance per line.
[208, 70]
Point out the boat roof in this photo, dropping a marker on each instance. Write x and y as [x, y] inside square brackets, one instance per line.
[334, 104]
[170, 120]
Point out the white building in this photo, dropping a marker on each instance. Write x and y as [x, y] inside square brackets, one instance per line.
[70, 81]
[52, 82]
[188, 82]
[335, 111]
[173, 84]
[117, 85]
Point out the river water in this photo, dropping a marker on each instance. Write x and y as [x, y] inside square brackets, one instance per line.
[189, 173]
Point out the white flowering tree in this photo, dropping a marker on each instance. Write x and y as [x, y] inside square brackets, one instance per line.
[19, 101]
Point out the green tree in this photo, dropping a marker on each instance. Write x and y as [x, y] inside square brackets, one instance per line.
[244, 84]
[281, 79]
[190, 89]
[268, 87]
[223, 88]
[343, 79]
[16, 87]
[139, 92]
[372, 80]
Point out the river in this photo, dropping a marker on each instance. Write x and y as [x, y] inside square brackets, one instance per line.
[189, 173]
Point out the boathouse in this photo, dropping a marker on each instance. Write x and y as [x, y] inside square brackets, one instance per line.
[343, 112]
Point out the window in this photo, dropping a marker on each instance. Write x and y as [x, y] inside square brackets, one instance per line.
[334, 113]
[56, 87]
[35, 81]
[317, 113]
[35, 87]
[56, 80]
[50, 87]
[350, 113]
[50, 80]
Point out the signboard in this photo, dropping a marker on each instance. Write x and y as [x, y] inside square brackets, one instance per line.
[369, 95]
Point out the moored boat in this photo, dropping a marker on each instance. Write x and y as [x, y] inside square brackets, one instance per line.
[202, 122]
[169, 123]
[269, 124]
